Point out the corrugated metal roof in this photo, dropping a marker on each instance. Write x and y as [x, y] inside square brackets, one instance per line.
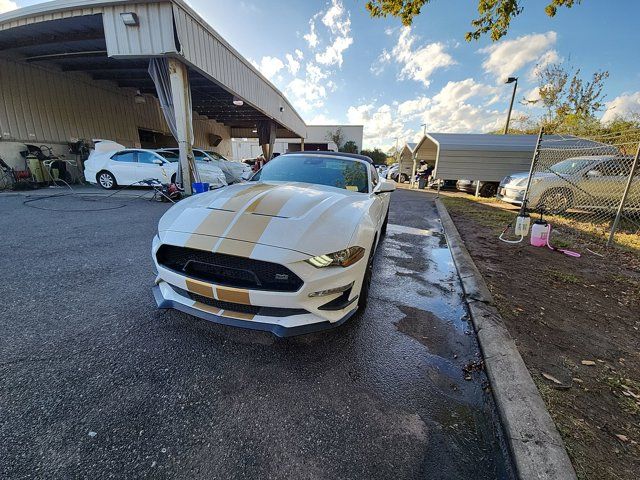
[202, 48]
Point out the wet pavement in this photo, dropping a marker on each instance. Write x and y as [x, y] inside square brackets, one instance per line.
[98, 383]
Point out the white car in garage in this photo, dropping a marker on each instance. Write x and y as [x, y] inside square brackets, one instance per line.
[234, 171]
[111, 165]
[289, 252]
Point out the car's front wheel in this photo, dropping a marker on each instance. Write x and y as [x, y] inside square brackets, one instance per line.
[556, 200]
[403, 178]
[106, 180]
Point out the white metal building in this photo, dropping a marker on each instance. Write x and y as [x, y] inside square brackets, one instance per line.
[316, 139]
[79, 70]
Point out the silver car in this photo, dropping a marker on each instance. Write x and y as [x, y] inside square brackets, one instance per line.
[592, 182]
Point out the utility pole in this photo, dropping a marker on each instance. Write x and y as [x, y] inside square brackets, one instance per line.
[513, 80]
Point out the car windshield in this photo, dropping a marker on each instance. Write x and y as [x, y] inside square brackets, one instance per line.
[570, 165]
[318, 169]
[168, 156]
[216, 156]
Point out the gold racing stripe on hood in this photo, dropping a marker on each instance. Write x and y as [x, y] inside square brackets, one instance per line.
[214, 225]
[199, 288]
[250, 232]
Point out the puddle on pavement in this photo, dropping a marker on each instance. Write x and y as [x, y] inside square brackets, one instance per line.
[416, 275]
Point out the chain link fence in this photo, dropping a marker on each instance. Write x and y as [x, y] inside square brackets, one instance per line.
[591, 185]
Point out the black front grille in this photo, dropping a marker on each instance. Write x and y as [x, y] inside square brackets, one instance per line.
[251, 309]
[228, 270]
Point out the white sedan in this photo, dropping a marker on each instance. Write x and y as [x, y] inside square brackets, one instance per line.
[289, 252]
[234, 171]
[131, 166]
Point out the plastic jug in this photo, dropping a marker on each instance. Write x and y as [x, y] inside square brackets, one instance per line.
[540, 233]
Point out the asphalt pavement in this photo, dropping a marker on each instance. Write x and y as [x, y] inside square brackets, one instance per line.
[97, 383]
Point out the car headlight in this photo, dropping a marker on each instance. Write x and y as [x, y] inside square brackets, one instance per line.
[343, 258]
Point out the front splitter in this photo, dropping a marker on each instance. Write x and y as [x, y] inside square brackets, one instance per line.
[165, 303]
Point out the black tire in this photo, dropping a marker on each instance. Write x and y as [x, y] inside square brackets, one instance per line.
[489, 190]
[106, 180]
[363, 299]
[556, 200]
[383, 230]
[403, 178]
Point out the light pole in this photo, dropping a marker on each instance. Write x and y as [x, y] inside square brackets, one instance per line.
[513, 80]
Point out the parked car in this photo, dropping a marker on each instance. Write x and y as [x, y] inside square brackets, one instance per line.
[392, 173]
[586, 182]
[111, 165]
[289, 252]
[487, 189]
[234, 172]
[442, 184]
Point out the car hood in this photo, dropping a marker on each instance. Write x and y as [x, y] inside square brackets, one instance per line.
[312, 219]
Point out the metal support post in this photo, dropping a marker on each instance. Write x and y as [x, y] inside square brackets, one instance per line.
[181, 93]
[634, 167]
[523, 209]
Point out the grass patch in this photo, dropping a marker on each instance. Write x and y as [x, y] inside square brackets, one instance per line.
[563, 276]
[492, 213]
[627, 392]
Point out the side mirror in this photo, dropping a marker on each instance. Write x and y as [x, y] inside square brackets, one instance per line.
[594, 173]
[157, 161]
[385, 186]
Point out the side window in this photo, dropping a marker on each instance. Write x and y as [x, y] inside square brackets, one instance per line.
[200, 156]
[146, 157]
[127, 157]
[375, 179]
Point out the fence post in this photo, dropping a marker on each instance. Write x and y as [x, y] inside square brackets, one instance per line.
[634, 165]
[523, 209]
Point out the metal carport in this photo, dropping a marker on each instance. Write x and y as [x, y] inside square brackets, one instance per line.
[472, 156]
[113, 41]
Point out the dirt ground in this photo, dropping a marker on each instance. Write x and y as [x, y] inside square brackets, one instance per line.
[576, 322]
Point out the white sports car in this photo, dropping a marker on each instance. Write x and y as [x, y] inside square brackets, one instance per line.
[289, 252]
[111, 165]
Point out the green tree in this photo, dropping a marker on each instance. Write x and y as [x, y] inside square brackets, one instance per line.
[349, 147]
[336, 136]
[494, 16]
[377, 155]
[570, 102]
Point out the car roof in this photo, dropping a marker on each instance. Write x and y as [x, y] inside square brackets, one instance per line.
[332, 154]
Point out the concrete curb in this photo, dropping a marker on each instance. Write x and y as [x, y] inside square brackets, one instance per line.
[536, 446]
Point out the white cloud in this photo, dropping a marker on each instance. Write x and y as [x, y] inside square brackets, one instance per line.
[378, 67]
[312, 37]
[418, 63]
[333, 53]
[309, 92]
[293, 65]
[338, 22]
[381, 125]
[337, 19]
[461, 106]
[322, 119]
[269, 66]
[547, 58]
[7, 6]
[299, 54]
[505, 58]
[622, 106]
[412, 108]
[532, 95]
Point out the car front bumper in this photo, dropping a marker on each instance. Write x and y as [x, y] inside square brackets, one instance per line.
[510, 194]
[281, 313]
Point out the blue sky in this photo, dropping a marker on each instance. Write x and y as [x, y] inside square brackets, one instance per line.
[336, 64]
